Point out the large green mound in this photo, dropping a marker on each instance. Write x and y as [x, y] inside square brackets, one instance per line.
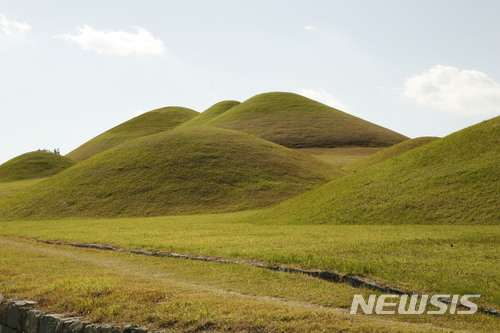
[151, 122]
[210, 113]
[37, 164]
[389, 152]
[453, 180]
[192, 170]
[298, 122]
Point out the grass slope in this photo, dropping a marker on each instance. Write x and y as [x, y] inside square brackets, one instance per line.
[453, 180]
[199, 169]
[389, 152]
[210, 113]
[151, 122]
[10, 188]
[36, 164]
[341, 156]
[298, 122]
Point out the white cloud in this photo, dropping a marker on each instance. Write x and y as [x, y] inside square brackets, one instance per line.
[12, 28]
[459, 91]
[323, 97]
[116, 42]
[310, 27]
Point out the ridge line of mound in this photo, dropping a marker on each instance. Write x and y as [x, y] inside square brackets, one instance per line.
[295, 121]
[152, 122]
[210, 113]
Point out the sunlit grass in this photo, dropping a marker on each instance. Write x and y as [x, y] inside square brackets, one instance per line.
[452, 259]
[10, 188]
[341, 157]
[184, 296]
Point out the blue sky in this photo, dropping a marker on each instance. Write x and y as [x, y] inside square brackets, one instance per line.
[71, 70]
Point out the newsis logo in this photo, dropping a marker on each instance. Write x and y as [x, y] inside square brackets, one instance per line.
[414, 304]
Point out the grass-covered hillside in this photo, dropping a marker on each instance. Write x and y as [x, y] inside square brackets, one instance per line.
[151, 122]
[36, 164]
[298, 122]
[210, 113]
[453, 180]
[389, 152]
[190, 170]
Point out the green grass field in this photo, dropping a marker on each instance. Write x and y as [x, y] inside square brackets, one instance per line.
[416, 257]
[185, 296]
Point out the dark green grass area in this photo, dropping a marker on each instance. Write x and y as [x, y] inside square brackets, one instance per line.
[152, 122]
[212, 112]
[190, 170]
[36, 164]
[389, 152]
[453, 180]
[295, 121]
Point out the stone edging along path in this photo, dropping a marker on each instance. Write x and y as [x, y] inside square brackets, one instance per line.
[22, 317]
[332, 276]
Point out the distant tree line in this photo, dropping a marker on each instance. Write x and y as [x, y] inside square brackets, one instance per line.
[55, 151]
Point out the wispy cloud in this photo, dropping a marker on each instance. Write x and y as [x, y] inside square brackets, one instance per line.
[12, 28]
[310, 28]
[113, 42]
[322, 96]
[459, 91]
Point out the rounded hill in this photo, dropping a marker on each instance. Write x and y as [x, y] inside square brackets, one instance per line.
[152, 122]
[453, 180]
[36, 164]
[389, 152]
[210, 113]
[183, 171]
[295, 121]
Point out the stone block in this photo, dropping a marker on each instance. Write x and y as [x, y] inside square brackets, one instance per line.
[91, 328]
[5, 329]
[78, 326]
[70, 325]
[32, 321]
[13, 315]
[134, 329]
[16, 312]
[49, 323]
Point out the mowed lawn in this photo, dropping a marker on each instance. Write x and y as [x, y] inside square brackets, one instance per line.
[451, 259]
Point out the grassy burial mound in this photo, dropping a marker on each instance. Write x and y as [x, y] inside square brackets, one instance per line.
[151, 122]
[453, 180]
[390, 152]
[210, 113]
[298, 122]
[182, 171]
[36, 164]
